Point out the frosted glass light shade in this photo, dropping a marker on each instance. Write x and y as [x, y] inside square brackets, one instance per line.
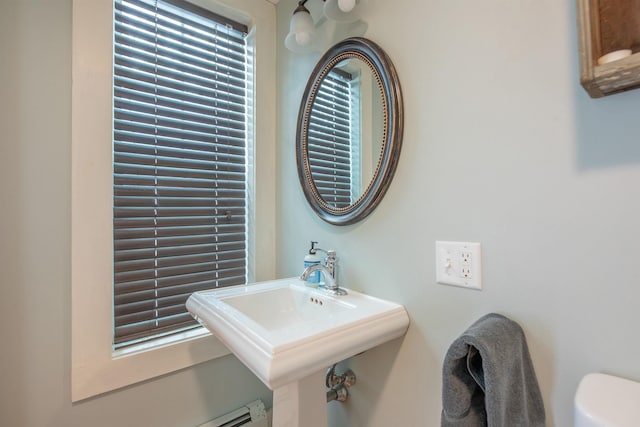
[341, 10]
[346, 5]
[301, 32]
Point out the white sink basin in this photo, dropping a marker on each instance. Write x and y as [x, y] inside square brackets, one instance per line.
[285, 331]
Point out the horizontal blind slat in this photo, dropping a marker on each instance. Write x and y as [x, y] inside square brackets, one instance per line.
[225, 87]
[173, 100]
[128, 82]
[203, 248]
[122, 234]
[139, 53]
[162, 32]
[141, 103]
[202, 20]
[161, 243]
[330, 171]
[162, 133]
[330, 150]
[172, 273]
[226, 277]
[195, 145]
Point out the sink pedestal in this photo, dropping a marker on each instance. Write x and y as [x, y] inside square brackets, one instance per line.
[301, 403]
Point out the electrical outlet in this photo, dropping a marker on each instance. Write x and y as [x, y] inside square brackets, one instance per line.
[465, 271]
[459, 264]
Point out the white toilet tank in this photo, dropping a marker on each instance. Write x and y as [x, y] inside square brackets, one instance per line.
[607, 401]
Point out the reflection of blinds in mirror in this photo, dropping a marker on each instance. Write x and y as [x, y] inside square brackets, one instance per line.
[331, 156]
[180, 150]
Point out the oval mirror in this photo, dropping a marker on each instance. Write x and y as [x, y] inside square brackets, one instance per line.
[349, 131]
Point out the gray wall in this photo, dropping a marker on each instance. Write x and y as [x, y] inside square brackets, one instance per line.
[35, 313]
[501, 146]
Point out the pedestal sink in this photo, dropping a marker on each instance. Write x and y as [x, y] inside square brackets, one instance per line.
[288, 334]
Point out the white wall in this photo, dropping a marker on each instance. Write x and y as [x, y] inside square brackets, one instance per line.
[35, 227]
[504, 147]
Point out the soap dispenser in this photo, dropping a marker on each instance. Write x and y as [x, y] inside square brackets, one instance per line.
[312, 258]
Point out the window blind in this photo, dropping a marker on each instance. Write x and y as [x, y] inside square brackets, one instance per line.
[329, 139]
[179, 162]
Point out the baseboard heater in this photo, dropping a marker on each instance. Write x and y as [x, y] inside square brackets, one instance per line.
[252, 414]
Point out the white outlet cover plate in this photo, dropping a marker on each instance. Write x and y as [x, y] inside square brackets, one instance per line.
[459, 264]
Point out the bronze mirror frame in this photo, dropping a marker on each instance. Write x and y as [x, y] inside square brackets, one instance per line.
[385, 75]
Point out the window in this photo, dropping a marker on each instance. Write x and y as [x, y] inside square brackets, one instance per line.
[180, 119]
[97, 367]
[333, 155]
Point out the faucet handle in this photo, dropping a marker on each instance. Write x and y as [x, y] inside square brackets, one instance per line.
[331, 258]
[331, 262]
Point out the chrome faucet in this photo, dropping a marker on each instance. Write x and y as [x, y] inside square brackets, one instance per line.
[329, 270]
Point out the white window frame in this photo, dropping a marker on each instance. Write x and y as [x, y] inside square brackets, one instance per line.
[95, 367]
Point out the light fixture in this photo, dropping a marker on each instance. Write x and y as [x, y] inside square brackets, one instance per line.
[341, 10]
[302, 37]
[301, 30]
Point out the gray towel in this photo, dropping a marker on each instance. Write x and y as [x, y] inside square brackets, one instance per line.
[488, 378]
